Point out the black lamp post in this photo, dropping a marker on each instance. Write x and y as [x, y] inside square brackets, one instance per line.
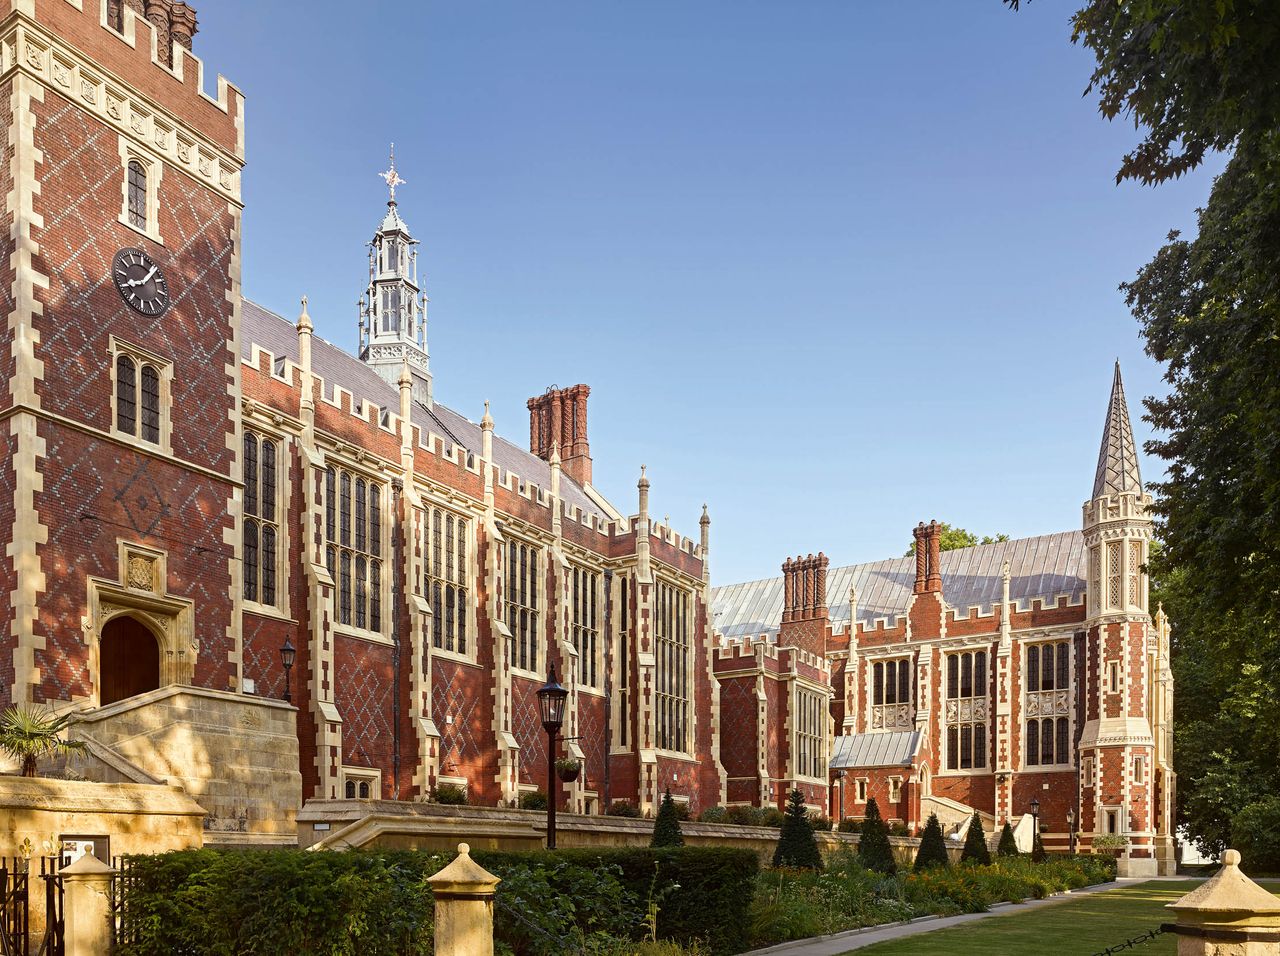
[287, 653]
[1035, 823]
[551, 698]
[1071, 829]
[839, 775]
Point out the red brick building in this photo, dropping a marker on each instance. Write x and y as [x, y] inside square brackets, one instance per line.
[979, 679]
[191, 481]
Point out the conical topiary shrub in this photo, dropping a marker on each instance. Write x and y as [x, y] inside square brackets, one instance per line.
[874, 851]
[796, 845]
[975, 844]
[933, 848]
[1037, 849]
[1008, 845]
[666, 827]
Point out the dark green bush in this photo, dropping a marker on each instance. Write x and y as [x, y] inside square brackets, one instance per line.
[1008, 845]
[227, 903]
[712, 904]
[714, 815]
[666, 828]
[899, 829]
[796, 847]
[975, 844]
[1037, 849]
[874, 851]
[820, 823]
[849, 825]
[449, 793]
[1255, 832]
[533, 800]
[623, 808]
[745, 815]
[772, 817]
[933, 846]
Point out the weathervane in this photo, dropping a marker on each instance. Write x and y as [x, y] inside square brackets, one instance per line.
[392, 177]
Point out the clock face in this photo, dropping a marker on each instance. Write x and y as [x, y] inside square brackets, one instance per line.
[140, 282]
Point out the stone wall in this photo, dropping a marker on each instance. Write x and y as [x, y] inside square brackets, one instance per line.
[236, 755]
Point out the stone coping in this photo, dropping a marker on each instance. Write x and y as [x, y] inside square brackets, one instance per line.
[178, 690]
[86, 796]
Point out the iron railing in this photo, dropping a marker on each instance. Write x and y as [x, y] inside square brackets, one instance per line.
[1131, 943]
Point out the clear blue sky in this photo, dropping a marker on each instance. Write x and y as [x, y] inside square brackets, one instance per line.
[832, 267]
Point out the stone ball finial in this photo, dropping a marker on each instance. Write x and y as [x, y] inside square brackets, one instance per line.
[1231, 858]
[464, 849]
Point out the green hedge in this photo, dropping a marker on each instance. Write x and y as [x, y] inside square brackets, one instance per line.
[222, 903]
[716, 884]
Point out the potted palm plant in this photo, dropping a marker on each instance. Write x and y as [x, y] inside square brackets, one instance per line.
[567, 769]
[29, 734]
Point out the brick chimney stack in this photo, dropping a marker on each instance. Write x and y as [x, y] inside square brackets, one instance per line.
[805, 588]
[928, 557]
[559, 416]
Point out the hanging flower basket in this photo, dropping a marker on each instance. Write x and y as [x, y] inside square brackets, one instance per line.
[568, 770]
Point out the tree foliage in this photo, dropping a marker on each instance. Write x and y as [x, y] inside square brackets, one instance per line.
[874, 851]
[1008, 845]
[666, 826]
[1038, 854]
[29, 734]
[975, 843]
[952, 539]
[933, 846]
[1196, 76]
[796, 846]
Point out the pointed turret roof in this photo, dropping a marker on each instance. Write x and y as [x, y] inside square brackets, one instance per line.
[1118, 458]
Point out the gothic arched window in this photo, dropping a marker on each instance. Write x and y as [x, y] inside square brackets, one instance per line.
[354, 557]
[137, 195]
[261, 522]
[126, 395]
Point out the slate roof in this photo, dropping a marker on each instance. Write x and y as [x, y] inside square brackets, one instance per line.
[882, 749]
[278, 335]
[1118, 457]
[1042, 567]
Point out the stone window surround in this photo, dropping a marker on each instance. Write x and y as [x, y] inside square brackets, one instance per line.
[802, 688]
[142, 356]
[284, 496]
[510, 535]
[1066, 640]
[883, 656]
[984, 701]
[470, 572]
[154, 168]
[339, 463]
[678, 588]
[358, 775]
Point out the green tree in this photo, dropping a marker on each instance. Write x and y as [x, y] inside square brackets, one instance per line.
[933, 846]
[975, 844]
[666, 826]
[796, 846]
[1038, 854]
[953, 538]
[874, 851]
[1197, 76]
[29, 734]
[1008, 845]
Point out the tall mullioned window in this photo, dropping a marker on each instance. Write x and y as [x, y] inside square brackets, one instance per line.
[811, 735]
[891, 694]
[521, 594]
[1047, 682]
[584, 605]
[261, 519]
[137, 398]
[672, 628]
[353, 529]
[966, 710]
[445, 558]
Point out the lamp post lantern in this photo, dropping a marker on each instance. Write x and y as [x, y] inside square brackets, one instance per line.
[287, 653]
[1071, 829]
[551, 699]
[1035, 823]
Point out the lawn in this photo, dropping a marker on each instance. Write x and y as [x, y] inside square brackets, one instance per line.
[1082, 926]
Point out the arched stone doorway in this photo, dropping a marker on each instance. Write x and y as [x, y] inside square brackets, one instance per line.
[129, 662]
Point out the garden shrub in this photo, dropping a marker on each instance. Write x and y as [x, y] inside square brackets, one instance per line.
[975, 843]
[873, 849]
[745, 815]
[1037, 848]
[623, 808]
[449, 793]
[933, 846]
[666, 828]
[820, 823]
[899, 829]
[533, 800]
[796, 845]
[772, 817]
[1008, 845]
[849, 825]
[712, 905]
[1255, 832]
[714, 815]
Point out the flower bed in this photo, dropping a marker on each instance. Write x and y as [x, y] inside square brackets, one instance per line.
[792, 904]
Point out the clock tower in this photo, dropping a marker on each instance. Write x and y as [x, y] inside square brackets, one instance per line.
[393, 310]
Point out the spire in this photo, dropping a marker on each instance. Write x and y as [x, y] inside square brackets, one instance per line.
[1118, 458]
